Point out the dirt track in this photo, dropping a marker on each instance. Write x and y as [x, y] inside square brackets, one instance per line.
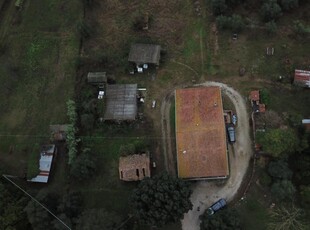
[207, 192]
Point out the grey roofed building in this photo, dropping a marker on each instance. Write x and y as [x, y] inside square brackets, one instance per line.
[144, 54]
[96, 77]
[121, 102]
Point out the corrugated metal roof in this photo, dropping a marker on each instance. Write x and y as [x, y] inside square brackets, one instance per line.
[121, 102]
[96, 77]
[200, 133]
[46, 159]
[144, 53]
[302, 78]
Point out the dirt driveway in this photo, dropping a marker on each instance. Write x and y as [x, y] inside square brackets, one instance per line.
[207, 192]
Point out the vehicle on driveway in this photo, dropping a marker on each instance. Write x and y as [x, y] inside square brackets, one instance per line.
[231, 133]
[221, 203]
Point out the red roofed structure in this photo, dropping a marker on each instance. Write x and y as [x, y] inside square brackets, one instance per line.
[200, 134]
[254, 95]
[302, 78]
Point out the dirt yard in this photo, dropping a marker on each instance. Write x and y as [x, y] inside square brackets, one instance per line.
[207, 192]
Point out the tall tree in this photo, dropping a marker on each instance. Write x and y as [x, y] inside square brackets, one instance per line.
[219, 7]
[160, 200]
[84, 166]
[227, 219]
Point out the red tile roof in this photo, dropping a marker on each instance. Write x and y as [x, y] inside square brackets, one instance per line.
[254, 95]
[200, 133]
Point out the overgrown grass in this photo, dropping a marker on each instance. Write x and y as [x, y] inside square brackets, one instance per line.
[38, 72]
[254, 214]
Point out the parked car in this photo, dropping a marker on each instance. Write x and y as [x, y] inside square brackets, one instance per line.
[153, 104]
[221, 203]
[231, 133]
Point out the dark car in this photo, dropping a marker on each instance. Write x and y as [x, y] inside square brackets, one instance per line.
[221, 203]
[231, 133]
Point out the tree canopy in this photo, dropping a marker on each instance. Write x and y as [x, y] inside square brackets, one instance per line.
[160, 200]
[279, 141]
[83, 166]
[283, 189]
[270, 10]
[279, 170]
[223, 220]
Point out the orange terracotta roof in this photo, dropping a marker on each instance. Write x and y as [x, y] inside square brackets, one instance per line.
[262, 108]
[200, 133]
[254, 95]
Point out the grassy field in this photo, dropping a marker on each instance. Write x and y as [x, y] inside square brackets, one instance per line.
[40, 53]
[37, 70]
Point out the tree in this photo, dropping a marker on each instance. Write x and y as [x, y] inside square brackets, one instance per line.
[227, 219]
[279, 170]
[300, 28]
[71, 204]
[222, 22]
[289, 4]
[83, 167]
[161, 200]
[237, 23]
[305, 196]
[270, 10]
[302, 169]
[11, 208]
[87, 121]
[279, 141]
[283, 218]
[127, 149]
[283, 189]
[271, 27]
[219, 7]
[97, 219]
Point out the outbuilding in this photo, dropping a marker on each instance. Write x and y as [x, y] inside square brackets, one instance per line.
[141, 54]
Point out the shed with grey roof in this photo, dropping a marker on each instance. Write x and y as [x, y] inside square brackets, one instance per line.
[96, 78]
[144, 54]
[121, 102]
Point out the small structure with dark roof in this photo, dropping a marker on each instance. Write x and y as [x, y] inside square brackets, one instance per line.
[59, 132]
[134, 167]
[47, 155]
[306, 124]
[121, 102]
[144, 54]
[96, 78]
[302, 78]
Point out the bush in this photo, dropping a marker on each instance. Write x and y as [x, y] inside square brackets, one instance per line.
[234, 23]
[265, 179]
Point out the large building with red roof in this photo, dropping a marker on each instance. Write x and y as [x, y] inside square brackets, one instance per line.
[200, 134]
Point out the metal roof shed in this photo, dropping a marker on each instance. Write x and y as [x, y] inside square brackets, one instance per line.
[121, 102]
[96, 77]
[302, 78]
[47, 154]
[144, 54]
